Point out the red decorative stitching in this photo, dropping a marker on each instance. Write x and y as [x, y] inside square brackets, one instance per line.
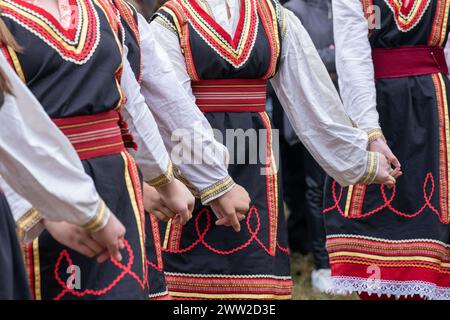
[126, 270]
[388, 202]
[202, 235]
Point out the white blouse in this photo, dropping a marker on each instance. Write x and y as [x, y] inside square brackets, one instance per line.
[38, 161]
[354, 63]
[180, 122]
[305, 91]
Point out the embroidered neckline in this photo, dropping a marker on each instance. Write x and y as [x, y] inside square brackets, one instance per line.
[236, 49]
[408, 13]
[74, 44]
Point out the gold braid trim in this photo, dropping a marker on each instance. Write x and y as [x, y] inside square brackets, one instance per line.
[216, 189]
[159, 18]
[163, 179]
[27, 222]
[371, 169]
[375, 134]
[99, 220]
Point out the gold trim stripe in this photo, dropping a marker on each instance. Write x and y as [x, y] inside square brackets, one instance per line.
[230, 296]
[388, 258]
[135, 206]
[37, 271]
[164, 178]
[99, 219]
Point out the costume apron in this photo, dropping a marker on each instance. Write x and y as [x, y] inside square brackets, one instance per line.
[75, 75]
[13, 279]
[157, 283]
[398, 241]
[229, 75]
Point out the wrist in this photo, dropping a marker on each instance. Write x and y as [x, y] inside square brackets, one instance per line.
[100, 219]
[375, 135]
[163, 179]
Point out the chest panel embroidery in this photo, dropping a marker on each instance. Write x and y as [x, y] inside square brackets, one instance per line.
[235, 50]
[76, 44]
[408, 13]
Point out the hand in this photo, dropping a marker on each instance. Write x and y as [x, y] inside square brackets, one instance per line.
[111, 237]
[385, 174]
[380, 146]
[74, 237]
[231, 207]
[154, 205]
[178, 199]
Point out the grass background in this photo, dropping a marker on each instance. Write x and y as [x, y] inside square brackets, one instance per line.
[302, 267]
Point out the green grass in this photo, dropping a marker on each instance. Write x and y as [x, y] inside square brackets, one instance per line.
[301, 274]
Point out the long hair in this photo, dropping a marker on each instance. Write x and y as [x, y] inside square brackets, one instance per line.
[6, 40]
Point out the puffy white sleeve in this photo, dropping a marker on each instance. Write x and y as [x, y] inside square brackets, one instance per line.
[354, 65]
[151, 156]
[40, 165]
[202, 161]
[315, 110]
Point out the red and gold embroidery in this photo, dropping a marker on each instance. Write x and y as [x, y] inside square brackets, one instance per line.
[355, 200]
[271, 187]
[439, 30]
[175, 10]
[270, 23]
[444, 151]
[199, 286]
[235, 50]
[74, 44]
[127, 14]
[408, 13]
[415, 253]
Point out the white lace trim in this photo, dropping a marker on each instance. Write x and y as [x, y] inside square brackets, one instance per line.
[426, 290]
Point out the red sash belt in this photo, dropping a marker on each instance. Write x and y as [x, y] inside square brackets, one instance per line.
[230, 95]
[408, 61]
[95, 135]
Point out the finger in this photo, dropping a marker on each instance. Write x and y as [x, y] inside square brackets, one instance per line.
[122, 242]
[167, 212]
[396, 173]
[393, 160]
[84, 250]
[185, 216]
[217, 213]
[160, 216]
[114, 252]
[390, 182]
[191, 206]
[232, 218]
[103, 257]
[240, 216]
[223, 222]
[93, 245]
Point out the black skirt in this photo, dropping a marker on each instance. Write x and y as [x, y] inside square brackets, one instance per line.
[13, 281]
[398, 241]
[203, 260]
[58, 272]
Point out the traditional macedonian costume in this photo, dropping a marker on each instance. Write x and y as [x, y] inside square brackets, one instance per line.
[74, 71]
[55, 182]
[179, 121]
[394, 242]
[224, 53]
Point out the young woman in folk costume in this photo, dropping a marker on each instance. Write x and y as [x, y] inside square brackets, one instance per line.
[72, 63]
[175, 111]
[224, 52]
[394, 242]
[54, 182]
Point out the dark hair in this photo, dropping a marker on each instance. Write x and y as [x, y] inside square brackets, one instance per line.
[6, 40]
